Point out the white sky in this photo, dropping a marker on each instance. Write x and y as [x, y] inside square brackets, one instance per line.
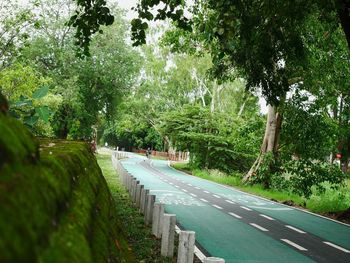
[127, 5]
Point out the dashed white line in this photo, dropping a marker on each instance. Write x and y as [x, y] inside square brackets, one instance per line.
[294, 245]
[267, 217]
[258, 227]
[184, 190]
[189, 184]
[217, 196]
[218, 207]
[296, 229]
[229, 201]
[193, 195]
[171, 183]
[197, 187]
[235, 215]
[336, 246]
[177, 186]
[246, 208]
[206, 192]
[204, 200]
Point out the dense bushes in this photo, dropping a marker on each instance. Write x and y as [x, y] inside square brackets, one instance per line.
[298, 176]
[215, 140]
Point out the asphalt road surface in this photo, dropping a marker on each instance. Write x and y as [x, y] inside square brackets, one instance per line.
[240, 227]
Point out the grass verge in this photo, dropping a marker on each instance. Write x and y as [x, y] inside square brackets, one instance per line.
[144, 246]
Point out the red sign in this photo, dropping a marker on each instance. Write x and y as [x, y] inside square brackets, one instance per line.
[338, 155]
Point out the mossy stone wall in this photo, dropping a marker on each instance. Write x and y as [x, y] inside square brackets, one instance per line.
[55, 205]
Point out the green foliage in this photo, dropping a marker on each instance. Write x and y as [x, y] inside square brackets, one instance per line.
[29, 97]
[299, 176]
[299, 136]
[88, 19]
[268, 167]
[90, 87]
[214, 140]
[17, 21]
[329, 200]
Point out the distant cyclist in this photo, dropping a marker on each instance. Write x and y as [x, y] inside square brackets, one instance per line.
[148, 153]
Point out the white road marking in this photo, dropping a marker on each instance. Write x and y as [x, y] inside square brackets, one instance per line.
[193, 195]
[204, 200]
[272, 208]
[177, 186]
[267, 217]
[197, 187]
[217, 196]
[171, 183]
[206, 192]
[229, 201]
[296, 229]
[235, 215]
[294, 245]
[218, 207]
[258, 227]
[189, 184]
[337, 247]
[184, 190]
[199, 254]
[246, 208]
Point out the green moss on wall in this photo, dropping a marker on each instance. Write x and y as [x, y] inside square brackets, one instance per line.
[55, 204]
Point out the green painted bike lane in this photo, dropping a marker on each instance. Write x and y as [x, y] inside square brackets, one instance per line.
[218, 233]
[333, 231]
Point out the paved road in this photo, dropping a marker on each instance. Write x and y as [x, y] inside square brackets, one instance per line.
[240, 227]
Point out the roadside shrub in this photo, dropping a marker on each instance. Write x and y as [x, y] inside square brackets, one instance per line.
[299, 176]
[268, 169]
[331, 200]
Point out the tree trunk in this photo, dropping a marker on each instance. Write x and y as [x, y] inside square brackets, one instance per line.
[270, 140]
[345, 152]
[213, 98]
[343, 11]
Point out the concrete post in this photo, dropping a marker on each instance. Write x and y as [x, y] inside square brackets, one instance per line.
[135, 191]
[128, 181]
[132, 183]
[125, 177]
[185, 252]
[144, 201]
[168, 234]
[139, 188]
[149, 209]
[213, 260]
[157, 221]
[131, 178]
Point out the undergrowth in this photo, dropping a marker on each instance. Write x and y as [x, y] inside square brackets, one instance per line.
[145, 247]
